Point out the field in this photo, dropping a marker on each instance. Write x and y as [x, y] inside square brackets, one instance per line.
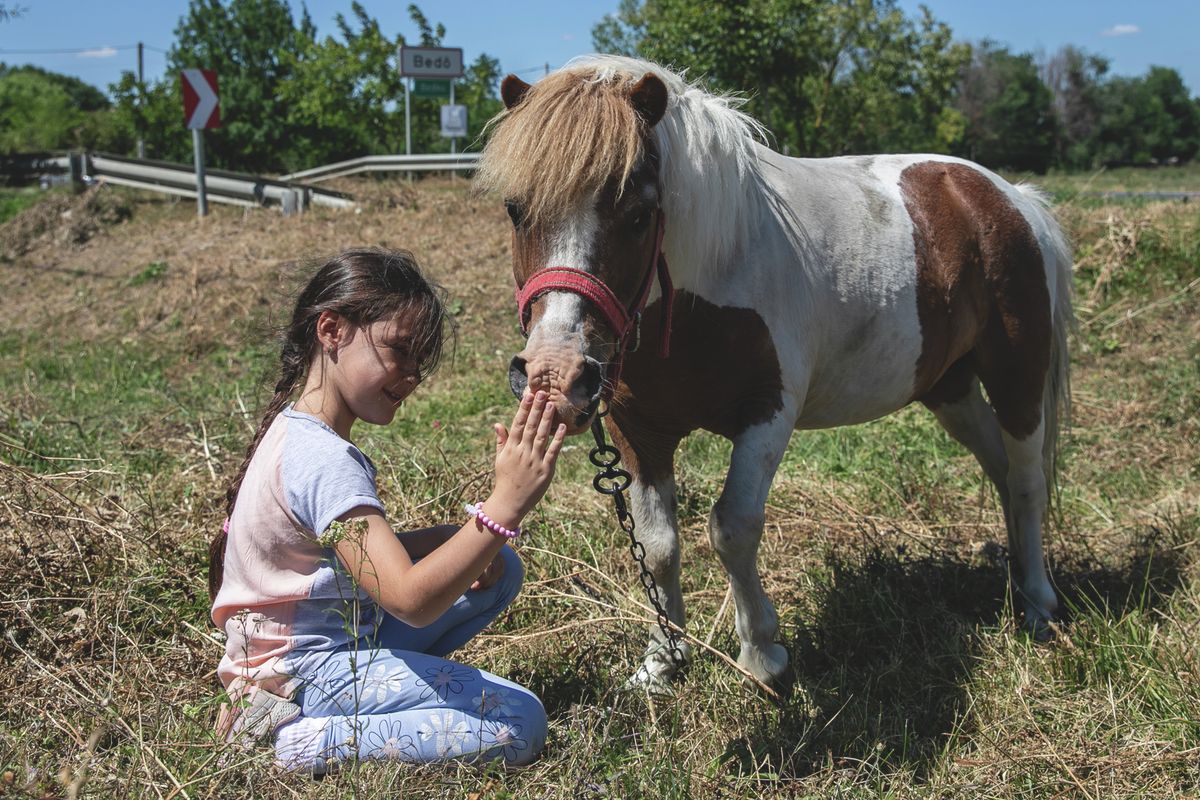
[135, 354]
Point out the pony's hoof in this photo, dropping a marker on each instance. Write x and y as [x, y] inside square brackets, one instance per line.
[1039, 628]
[644, 681]
[769, 665]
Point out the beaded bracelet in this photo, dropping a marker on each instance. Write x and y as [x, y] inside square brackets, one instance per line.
[491, 524]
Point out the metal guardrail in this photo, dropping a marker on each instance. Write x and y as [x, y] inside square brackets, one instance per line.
[235, 188]
[420, 163]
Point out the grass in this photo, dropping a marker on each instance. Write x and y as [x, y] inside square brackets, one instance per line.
[129, 387]
[14, 201]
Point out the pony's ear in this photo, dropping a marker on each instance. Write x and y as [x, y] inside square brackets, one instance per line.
[649, 98]
[513, 90]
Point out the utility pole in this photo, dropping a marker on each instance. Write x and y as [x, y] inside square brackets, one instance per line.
[141, 142]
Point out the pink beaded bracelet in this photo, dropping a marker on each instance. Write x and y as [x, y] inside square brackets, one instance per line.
[491, 524]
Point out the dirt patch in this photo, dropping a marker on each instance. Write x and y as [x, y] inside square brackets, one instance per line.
[167, 271]
[63, 220]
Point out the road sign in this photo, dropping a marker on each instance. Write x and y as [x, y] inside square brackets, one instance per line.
[201, 106]
[427, 87]
[431, 62]
[454, 122]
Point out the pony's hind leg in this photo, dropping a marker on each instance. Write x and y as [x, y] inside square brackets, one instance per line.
[735, 529]
[1028, 498]
[963, 412]
[1014, 465]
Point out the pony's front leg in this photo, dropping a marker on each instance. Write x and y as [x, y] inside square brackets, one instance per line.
[735, 529]
[648, 452]
[657, 529]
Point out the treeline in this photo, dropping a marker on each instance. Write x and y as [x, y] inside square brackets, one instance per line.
[826, 77]
[831, 77]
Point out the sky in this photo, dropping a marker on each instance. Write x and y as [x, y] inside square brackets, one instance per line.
[528, 35]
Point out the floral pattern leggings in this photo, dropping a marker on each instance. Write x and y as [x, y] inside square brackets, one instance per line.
[398, 698]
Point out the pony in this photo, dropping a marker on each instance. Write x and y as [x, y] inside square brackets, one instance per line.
[782, 294]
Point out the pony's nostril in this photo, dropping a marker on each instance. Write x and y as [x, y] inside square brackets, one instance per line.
[592, 378]
[517, 379]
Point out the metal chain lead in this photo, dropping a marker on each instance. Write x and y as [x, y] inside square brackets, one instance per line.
[613, 481]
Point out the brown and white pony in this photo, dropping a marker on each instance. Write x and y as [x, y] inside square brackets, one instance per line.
[808, 293]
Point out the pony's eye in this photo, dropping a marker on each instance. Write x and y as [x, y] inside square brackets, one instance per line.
[640, 221]
[515, 212]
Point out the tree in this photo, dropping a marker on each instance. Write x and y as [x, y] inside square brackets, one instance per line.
[1075, 80]
[42, 110]
[1148, 119]
[1010, 121]
[824, 76]
[289, 99]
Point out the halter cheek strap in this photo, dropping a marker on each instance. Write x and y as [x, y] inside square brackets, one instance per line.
[621, 320]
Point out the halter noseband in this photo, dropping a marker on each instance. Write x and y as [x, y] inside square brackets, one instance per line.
[621, 320]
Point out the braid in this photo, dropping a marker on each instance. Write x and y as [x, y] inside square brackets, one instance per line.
[293, 359]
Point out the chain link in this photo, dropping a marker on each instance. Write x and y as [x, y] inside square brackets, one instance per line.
[613, 481]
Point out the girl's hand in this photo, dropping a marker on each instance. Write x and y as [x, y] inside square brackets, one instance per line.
[525, 458]
[493, 573]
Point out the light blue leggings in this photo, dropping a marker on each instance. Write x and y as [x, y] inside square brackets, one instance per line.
[398, 698]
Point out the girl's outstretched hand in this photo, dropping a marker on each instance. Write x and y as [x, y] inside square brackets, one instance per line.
[525, 457]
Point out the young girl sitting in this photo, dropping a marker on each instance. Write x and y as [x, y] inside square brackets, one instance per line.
[337, 626]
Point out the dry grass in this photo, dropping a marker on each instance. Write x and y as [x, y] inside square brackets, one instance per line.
[130, 376]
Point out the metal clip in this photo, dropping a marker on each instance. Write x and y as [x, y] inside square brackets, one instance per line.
[637, 332]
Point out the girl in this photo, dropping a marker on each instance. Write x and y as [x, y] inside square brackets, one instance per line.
[337, 627]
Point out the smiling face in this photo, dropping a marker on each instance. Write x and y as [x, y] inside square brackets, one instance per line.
[592, 206]
[360, 372]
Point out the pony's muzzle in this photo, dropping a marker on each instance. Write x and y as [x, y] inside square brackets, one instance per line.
[576, 398]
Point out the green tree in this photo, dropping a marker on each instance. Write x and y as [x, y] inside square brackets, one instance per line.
[42, 110]
[825, 76]
[1075, 79]
[291, 99]
[1010, 122]
[1148, 119]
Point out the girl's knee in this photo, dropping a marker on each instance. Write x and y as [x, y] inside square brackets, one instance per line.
[526, 733]
[514, 574]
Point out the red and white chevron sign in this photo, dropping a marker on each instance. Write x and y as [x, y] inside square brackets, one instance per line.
[201, 106]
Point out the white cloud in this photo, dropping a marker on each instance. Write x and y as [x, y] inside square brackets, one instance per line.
[568, 37]
[99, 52]
[1122, 30]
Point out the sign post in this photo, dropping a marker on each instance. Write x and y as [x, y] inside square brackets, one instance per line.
[427, 62]
[201, 109]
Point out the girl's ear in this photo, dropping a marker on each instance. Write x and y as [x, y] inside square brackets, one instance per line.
[331, 330]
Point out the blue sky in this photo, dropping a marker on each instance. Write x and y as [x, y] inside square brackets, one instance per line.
[525, 35]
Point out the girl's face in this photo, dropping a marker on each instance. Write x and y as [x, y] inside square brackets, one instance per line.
[376, 370]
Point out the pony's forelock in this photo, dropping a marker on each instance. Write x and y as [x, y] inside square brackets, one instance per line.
[576, 129]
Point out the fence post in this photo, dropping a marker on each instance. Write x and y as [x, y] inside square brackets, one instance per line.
[77, 165]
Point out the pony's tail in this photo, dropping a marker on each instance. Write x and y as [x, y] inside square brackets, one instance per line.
[1056, 398]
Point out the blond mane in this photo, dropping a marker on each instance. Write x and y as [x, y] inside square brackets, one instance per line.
[562, 143]
[575, 129]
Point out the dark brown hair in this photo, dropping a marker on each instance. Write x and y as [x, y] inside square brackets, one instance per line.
[363, 286]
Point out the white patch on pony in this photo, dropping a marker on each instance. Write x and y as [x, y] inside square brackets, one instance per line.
[572, 245]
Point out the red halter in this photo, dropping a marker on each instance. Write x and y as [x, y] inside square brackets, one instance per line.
[623, 321]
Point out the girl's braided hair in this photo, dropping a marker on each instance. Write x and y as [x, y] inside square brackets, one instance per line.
[363, 286]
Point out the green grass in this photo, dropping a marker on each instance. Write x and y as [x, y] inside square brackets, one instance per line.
[14, 201]
[883, 552]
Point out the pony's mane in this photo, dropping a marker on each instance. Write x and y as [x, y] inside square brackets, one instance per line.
[576, 129]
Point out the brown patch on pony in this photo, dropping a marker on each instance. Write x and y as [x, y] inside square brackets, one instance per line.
[982, 300]
[722, 376]
[565, 137]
